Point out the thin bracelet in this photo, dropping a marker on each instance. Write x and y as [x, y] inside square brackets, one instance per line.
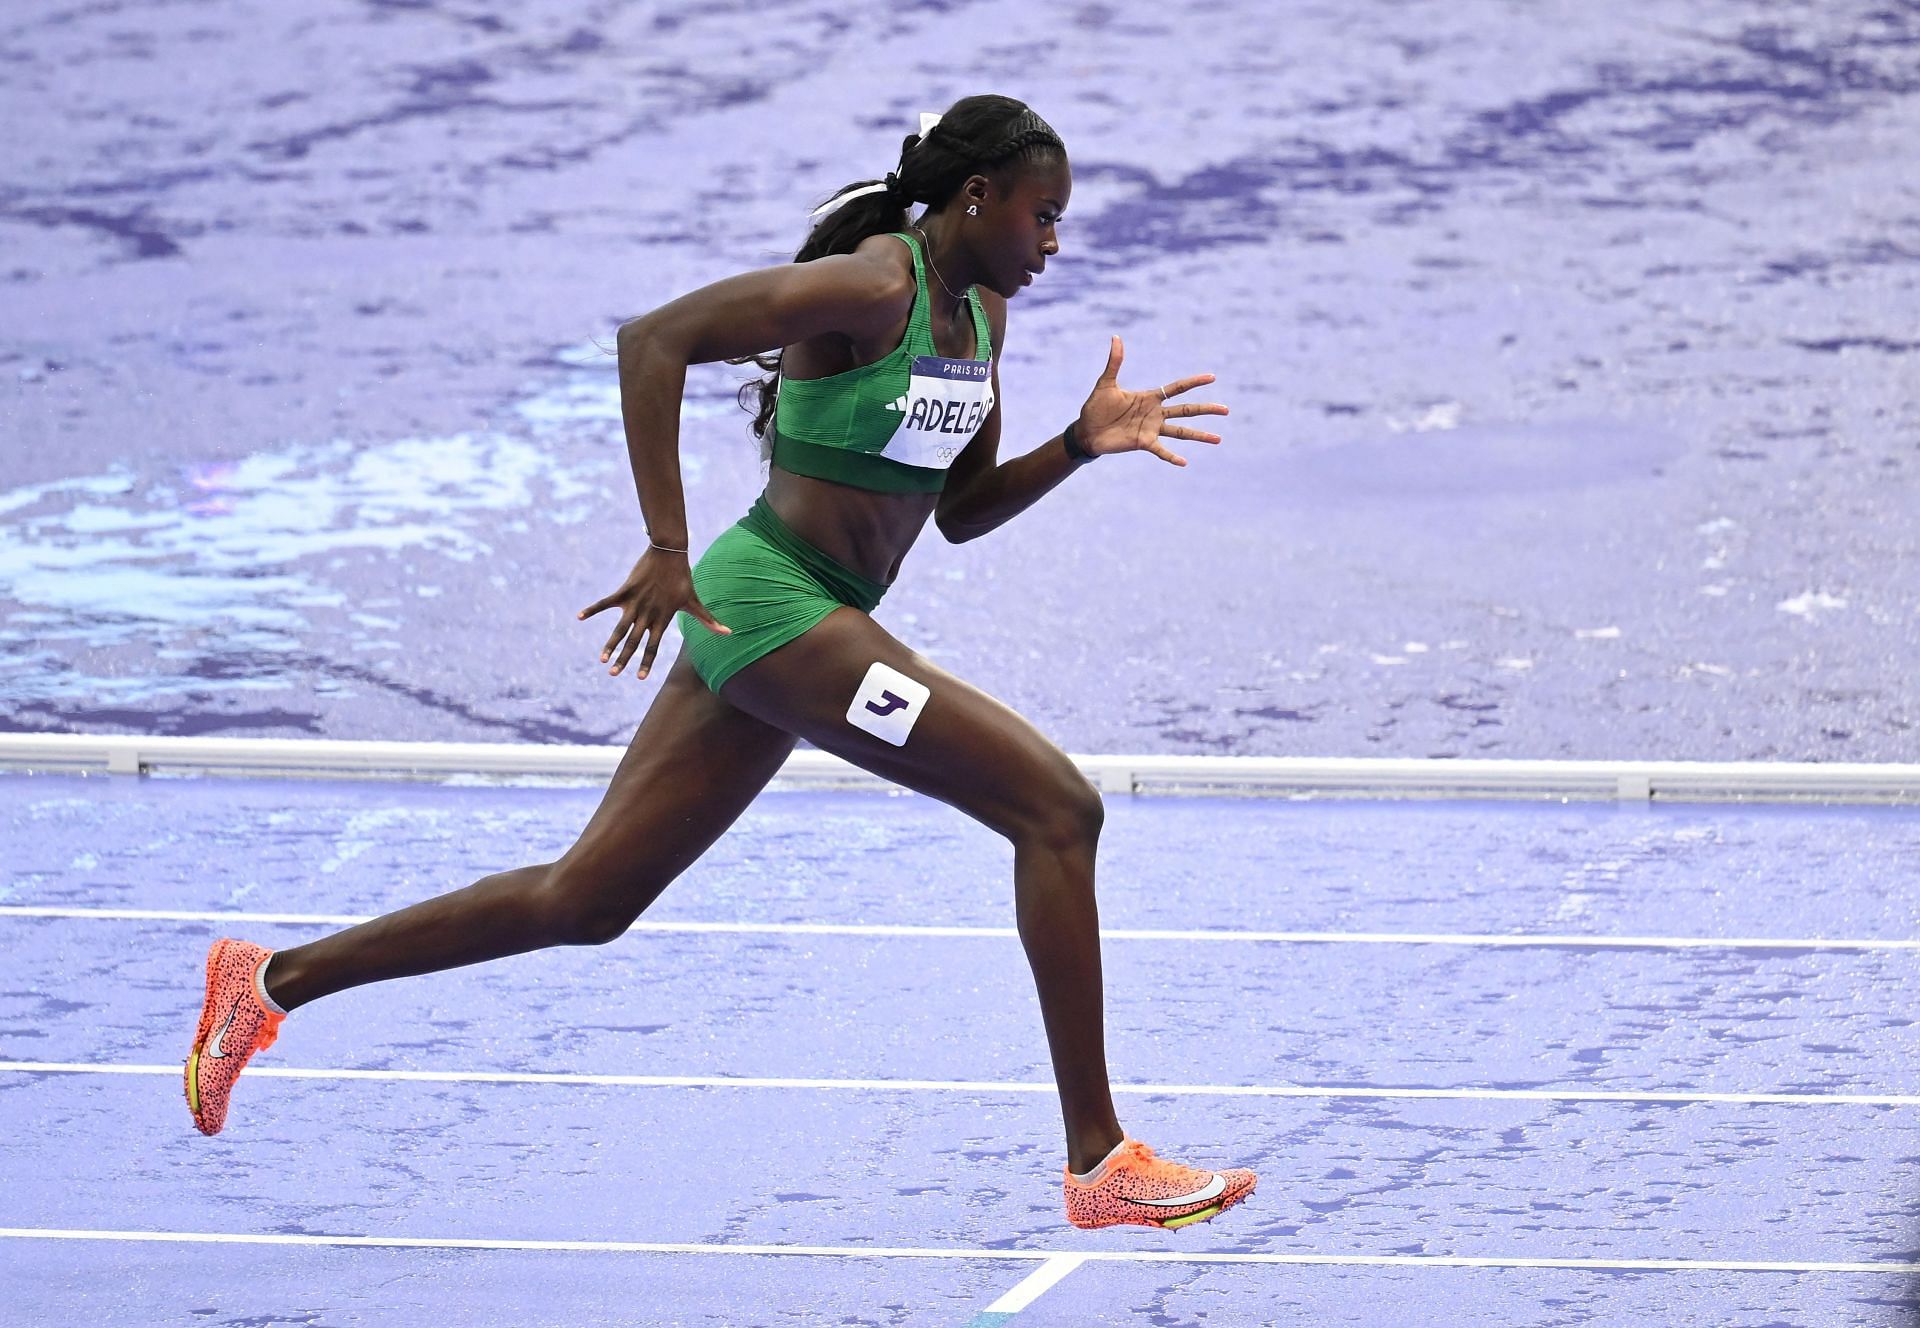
[1075, 453]
[662, 547]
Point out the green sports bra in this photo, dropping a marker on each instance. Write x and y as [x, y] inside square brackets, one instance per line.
[895, 425]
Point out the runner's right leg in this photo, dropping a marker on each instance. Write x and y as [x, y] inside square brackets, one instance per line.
[692, 768]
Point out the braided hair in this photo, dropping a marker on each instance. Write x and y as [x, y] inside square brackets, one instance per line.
[976, 134]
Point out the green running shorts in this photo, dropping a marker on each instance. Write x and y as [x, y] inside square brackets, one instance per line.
[770, 586]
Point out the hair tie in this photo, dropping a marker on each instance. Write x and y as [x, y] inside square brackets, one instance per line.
[894, 189]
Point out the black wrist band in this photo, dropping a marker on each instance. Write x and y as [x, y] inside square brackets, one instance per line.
[1076, 453]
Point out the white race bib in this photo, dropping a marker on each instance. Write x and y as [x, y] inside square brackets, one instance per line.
[888, 704]
[946, 403]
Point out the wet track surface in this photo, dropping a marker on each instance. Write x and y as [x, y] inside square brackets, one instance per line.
[1571, 352]
[957, 1152]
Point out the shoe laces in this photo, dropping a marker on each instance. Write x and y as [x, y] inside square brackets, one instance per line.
[1139, 1156]
[1147, 1162]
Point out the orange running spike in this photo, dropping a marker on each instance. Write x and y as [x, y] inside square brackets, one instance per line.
[233, 1025]
[1140, 1189]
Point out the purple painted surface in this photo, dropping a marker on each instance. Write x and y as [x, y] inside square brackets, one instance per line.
[148, 1285]
[308, 846]
[376, 1288]
[881, 1169]
[1442, 1016]
[1571, 363]
[1136, 1297]
[1497, 1179]
[919, 1008]
[1571, 358]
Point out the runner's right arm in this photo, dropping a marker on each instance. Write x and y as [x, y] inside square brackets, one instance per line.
[854, 295]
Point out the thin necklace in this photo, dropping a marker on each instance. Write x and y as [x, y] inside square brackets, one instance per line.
[936, 272]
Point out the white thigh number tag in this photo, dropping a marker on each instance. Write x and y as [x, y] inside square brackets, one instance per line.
[887, 704]
[946, 403]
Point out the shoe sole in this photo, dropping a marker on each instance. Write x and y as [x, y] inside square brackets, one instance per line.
[204, 1034]
[200, 1037]
[1175, 1223]
[193, 1084]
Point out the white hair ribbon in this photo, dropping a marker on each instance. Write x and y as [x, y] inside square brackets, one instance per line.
[928, 120]
[841, 200]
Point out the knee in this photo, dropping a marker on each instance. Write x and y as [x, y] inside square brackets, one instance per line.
[1066, 815]
[580, 907]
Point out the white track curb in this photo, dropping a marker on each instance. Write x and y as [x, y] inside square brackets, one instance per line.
[1266, 776]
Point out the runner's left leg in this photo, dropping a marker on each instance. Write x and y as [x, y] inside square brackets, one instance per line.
[693, 766]
[970, 751]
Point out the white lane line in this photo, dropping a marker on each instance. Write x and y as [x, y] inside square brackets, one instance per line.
[1036, 1283]
[184, 915]
[1002, 1086]
[1498, 939]
[905, 1252]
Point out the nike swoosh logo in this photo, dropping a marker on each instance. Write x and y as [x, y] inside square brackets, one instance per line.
[1213, 1189]
[218, 1048]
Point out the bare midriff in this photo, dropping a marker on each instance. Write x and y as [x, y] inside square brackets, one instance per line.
[867, 532]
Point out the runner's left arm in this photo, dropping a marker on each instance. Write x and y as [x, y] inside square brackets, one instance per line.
[982, 494]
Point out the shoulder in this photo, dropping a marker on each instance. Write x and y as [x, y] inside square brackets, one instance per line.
[882, 267]
[860, 295]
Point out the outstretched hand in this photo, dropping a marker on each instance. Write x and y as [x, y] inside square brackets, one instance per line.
[1118, 420]
[659, 585]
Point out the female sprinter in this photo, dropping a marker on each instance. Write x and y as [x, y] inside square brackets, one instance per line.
[883, 410]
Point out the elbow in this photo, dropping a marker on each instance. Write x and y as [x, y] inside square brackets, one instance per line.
[956, 514]
[956, 532]
[647, 335]
[633, 333]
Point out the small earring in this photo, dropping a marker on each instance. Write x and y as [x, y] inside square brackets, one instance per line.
[973, 209]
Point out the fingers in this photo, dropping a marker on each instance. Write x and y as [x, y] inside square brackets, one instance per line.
[606, 651]
[1178, 386]
[1187, 408]
[634, 638]
[633, 633]
[1161, 452]
[699, 613]
[1115, 353]
[599, 606]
